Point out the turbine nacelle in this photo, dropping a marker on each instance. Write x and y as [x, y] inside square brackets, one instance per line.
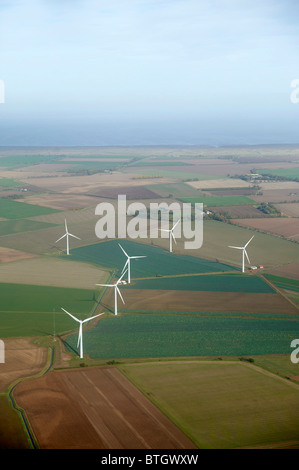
[128, 263]
[80, 335]
[116, 291]
[171, 234]
[67, 235]
[244, 253]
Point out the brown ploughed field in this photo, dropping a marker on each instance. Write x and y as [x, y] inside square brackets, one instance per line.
[96, 408]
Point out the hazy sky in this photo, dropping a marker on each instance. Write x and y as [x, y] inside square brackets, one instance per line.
[87, 72]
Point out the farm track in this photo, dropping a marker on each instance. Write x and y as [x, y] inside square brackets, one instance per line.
[184, 275]
[279, 291]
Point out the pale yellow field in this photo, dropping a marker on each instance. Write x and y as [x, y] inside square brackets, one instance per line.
[219, 183]
[52, 272]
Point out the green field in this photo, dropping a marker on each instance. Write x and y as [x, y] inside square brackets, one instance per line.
[217, 201]
[221, 405]
[20, 161]
[284, 282]
[22, 225]
[292, 173]
[151, 335]
[157, 261]
[19, 210]
[28, 310]
[9, 183]
[214, 283]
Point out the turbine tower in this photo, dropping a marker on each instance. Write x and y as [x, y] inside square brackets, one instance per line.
[171, 235]
[67, 235]
[80, 336]
[244, 253]
[128, 263]
[116, 291]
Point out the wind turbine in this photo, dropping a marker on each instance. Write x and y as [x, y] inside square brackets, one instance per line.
[171, 235]
[67, 235]
[116, 291]
[244, 252]
[80, 336]
[128, 262]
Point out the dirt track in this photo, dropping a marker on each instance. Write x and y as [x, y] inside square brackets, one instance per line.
[95, 408]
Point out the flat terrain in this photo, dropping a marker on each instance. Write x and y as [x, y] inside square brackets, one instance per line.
[198, 313]
[290, 210]
[223, 406]
[7, 255]
[190, 301]
[52, 272]
[23, 358]
[286, 227]
[97, 408]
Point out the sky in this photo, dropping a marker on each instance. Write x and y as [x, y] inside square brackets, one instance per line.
[148, 72]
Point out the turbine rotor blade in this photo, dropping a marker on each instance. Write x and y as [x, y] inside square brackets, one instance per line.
[175, 224]
[106, 285]
[70, 315]
[248, 241]
[91, 318]
[61, 237]
[127, 262]
[173, 237]
[121, 277]
[74, 236]
[119, 293]
[123, 250]
[134, 257]
[247, 256]
[237, 247]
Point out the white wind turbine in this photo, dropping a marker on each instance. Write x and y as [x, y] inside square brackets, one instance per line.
[244, 252]
[67, 235]
[116, 291]
[80, 336]
[171, 235]
[128, 262]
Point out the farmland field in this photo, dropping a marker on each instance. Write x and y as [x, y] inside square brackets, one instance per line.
[284, 282]
[28, 310]
[16, 210]
[216, 283]
[220, 183]
[286, 227]
[212, 201]
[98, 408]
[184, 305]
[239, 212]
[204, 302]
[160, 335]
[22, 225]
[292, 173]
[157, 261]
[254, 407]
[176, 190]
[290, 210]
[48, 271]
